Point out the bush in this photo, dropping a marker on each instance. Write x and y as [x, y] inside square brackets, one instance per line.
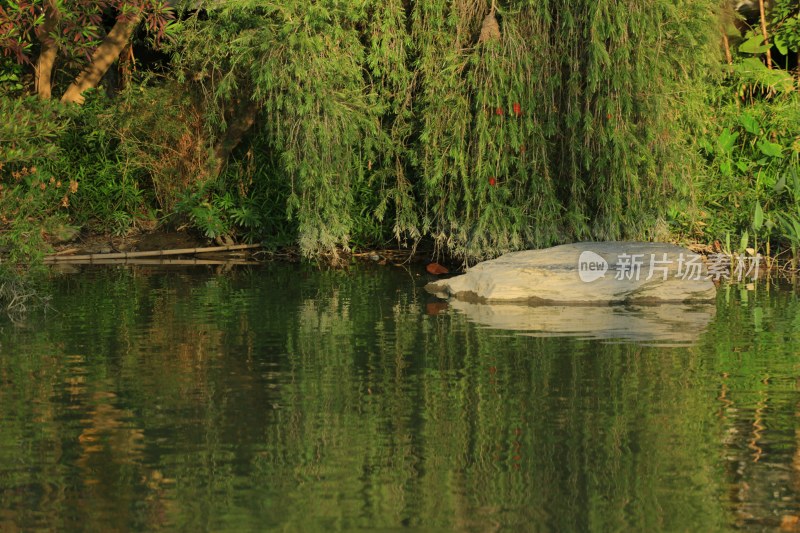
[751, 145]
[29, 193]
[31, 199]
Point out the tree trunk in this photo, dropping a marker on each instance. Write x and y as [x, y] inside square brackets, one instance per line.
[47, 57]
[238, 126]
[103, 57]
[727, 46]
[764, 31]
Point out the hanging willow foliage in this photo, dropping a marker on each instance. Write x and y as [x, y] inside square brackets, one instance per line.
[391, 81]
[630, 79]
[565, 120]
[301, 65]
[483, 147]
[487, 125]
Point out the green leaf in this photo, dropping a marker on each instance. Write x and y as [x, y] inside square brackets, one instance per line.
[751, 64]
[780, 185]
[750, 123]
[796, 180]
[745, 240]
[706, 145]
[758, 217]
[754, 45]
[726, 140]
[770, 149]
[780, 44]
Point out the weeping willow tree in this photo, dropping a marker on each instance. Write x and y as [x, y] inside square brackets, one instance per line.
[550, 120]
[294, 70]
[486, 125]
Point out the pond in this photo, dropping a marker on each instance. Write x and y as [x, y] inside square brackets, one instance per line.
[302, 399]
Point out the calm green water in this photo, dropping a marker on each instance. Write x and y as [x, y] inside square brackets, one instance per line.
[303, 400]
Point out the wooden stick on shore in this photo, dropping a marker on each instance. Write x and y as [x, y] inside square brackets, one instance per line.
[152, 253]
[154, 262]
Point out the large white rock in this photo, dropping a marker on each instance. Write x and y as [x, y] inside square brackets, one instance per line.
[586, 273]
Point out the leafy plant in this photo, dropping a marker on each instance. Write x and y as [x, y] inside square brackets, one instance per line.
[790, 217]
[32, 200]
[785, 25]
[752, 140]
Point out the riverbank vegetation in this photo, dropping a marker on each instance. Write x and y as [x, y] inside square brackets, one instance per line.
[479, 126]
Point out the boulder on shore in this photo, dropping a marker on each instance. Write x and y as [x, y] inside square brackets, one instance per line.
[586, 273]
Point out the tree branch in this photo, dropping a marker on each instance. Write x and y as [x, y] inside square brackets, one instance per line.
[243, 119]
[103, 57]
[47, 57]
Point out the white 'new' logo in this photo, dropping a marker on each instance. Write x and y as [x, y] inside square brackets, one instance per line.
[591, 266]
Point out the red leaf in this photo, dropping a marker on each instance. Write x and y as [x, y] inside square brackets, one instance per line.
[436, 269]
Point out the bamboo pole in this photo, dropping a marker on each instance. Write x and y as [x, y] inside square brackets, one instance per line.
[152, 262]
[151, 253]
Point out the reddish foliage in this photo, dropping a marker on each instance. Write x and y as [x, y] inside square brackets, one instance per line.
[436, 269]
[492, 181]
[517, 109]
[17, 25]
[498, 111]
[79, 24]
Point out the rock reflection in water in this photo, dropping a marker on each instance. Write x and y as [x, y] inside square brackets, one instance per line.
[667, 323]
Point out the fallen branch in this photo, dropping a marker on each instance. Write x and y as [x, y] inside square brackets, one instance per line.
[152, 253]
[68, 251]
